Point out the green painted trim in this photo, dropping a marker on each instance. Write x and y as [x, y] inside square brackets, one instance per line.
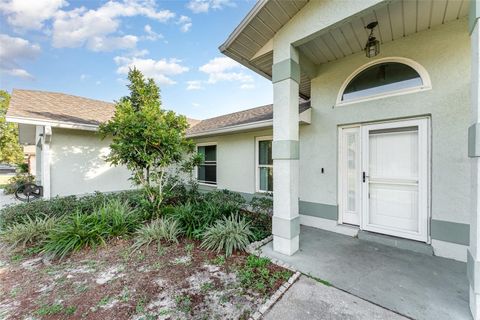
[286, 69]
[474, 140]
[319, 210]
[286, 150]
[453, 232]
[473, 15]
[206, 188]
[286, 228]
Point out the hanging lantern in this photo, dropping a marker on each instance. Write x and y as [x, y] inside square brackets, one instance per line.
[372, 48]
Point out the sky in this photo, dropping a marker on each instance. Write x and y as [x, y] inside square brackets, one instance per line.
[86, 48]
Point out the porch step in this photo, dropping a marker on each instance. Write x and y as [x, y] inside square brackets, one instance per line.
[400, 243]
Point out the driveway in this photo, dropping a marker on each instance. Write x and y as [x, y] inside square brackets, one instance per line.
[309, 299]
[6, 200]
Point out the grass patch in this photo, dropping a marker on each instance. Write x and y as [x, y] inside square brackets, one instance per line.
[256, 275]
[324, 282]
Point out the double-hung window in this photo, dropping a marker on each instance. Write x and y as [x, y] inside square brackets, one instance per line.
[264, 164]
[207, 169]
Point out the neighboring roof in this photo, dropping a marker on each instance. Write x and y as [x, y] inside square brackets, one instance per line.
[258, 27]
[232, 120]
[58, 108]
[54, 107]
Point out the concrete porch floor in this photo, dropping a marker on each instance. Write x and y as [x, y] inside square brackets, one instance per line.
[413, 284]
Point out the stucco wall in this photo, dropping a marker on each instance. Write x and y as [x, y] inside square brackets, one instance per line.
[77, 164]
[445, 53]
[236, 160]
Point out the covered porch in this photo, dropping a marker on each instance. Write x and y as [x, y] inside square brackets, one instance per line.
[415, 285]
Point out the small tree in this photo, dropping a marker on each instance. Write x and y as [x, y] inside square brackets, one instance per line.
[148, 140]
[10, 150]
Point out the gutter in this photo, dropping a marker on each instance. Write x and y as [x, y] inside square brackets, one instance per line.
[53, 123]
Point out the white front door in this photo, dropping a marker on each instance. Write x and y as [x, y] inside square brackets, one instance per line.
[393, 179]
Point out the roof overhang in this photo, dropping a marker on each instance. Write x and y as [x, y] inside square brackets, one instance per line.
[325, 34]
[304, 118]
[53, 123]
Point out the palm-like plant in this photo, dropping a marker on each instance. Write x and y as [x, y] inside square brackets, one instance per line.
[229, 234]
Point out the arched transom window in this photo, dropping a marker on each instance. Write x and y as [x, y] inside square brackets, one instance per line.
[384, 78]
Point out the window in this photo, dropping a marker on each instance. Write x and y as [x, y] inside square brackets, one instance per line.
[382, 78]
[264, 164]
[207, 169]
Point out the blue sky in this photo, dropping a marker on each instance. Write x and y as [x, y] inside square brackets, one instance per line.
[86, 47]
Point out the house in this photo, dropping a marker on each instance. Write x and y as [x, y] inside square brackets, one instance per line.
[69, 155]
[391, 145]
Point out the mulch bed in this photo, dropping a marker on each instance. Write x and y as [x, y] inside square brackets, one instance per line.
[174, 282]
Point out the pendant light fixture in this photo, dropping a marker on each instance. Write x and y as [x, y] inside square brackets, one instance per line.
[372, 48]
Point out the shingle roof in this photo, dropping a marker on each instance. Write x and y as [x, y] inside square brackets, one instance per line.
[53, 106]
[257, 114]
[61, 107]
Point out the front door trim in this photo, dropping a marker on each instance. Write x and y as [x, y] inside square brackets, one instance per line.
[425, 187]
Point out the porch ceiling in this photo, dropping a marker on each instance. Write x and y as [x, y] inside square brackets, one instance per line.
[248, 44]
[396, 19]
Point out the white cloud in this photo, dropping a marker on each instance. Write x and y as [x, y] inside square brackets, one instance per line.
[247, 86]
[203, 6]
[112, 43]
[13, 50]
[194, 85]
[196, 104]
[185, 23]
[225, 69]
[94, 28]
[151, 35]
[84, 76]
[25, 15]
[160, 70]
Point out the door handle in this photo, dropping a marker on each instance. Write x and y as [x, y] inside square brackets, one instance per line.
[364, 176]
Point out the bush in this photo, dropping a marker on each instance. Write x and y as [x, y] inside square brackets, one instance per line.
[61, 206]
[31, 232]
[229, 234]
[259, 213]
[75, 233]
[72, 233]
[16, 181]
[157, 231]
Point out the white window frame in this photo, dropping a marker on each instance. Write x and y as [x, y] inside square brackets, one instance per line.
[422, 72]
[257, 165]
[204, 144]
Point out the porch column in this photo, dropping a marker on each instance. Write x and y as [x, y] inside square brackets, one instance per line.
[473, 254]
[286, 221]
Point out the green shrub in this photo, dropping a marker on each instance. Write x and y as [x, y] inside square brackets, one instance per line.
[188, 218]
[259, 212]
[118, 218]
[61, 206]
[158, 230]
[229, 234]
[74, 233]
[30, 232]
[16, 181]
[256, 275]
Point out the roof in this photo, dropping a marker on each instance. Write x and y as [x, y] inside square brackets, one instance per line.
[232, 120]
[61, 108]
[256, 30]
[58, 108]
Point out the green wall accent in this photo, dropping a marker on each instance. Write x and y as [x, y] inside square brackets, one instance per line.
[285, 150]
[474, 140]
[453, 232]
[319, 210]
[286, 69]
[286, 228]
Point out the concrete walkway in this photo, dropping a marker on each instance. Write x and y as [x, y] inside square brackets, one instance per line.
[413, 284]
[308, 299]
